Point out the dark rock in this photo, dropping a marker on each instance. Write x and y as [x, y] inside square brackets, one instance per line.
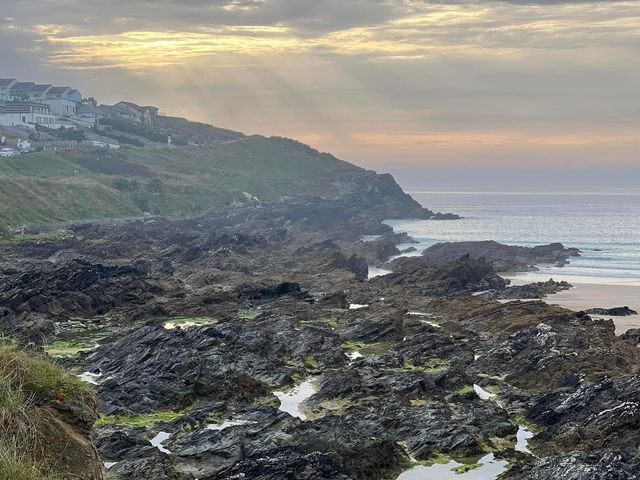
[462, 275]
[596, 465]
[503, 257]
[531, 290]
[445, 216]
[614, 312]
[334, 300]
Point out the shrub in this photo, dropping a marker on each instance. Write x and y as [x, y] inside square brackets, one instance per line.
[155, 185]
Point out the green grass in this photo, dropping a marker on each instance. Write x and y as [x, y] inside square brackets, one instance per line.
[334, 406]
[38, 378]
[248, 314]
[16, 465]
[40, 165]
[436, 457]
[146, 421]
[33, 237]
[378, 348]
[431, 365]
[65, 349]
[33, 200]
[467, 467]
[49, 187]
[464, 390]
[27, 382]
[330, 322]
[525, 422]
[311, 363]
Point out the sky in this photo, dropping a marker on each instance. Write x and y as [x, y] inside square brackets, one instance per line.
[394, 85]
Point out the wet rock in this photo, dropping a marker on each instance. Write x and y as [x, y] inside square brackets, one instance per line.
[465, 274]
[614, 312]
[334, 300]
[531, 290]
[75, 288]
[504, 258]
[116, 443]
[445, 216]
[596, 465]
[160, 468]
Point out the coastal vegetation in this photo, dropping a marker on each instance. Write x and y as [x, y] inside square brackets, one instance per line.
[49, 187]
[32, 390]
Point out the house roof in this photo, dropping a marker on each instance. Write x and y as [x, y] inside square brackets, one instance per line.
[23, 86]
[5, 82]
[40, 88]
[118, 107]
[136, 106]
[58, 90]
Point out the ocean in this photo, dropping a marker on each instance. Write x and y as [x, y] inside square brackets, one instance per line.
[605, 227]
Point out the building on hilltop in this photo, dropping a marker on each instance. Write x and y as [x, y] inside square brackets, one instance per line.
[66, 93]
[5, 87]
[27, 114]
[11, 89]
[38, 92]
[61, 106]
[20, 90]
[131, 112]
[28, 104]
[88, 115]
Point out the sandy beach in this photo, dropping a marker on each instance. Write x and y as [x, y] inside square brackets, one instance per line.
[592, 292]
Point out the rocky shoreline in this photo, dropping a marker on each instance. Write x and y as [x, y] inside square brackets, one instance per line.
[202, 336]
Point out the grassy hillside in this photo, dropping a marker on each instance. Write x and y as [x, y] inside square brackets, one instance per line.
[71, 185]
[36, 442]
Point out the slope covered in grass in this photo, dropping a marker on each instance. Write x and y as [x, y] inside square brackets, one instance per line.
[71, 185]
[39, 438]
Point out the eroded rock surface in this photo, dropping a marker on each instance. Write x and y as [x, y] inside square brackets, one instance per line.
[209, 318]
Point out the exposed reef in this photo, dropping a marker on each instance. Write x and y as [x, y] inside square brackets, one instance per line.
[249, 344]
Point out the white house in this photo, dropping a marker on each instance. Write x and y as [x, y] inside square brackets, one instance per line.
[131, 112]
[5, 87]
[10, 89]
[88, 115]
[27, 114]
[20, 90]
[67, 93]
[38, 92]
[61, 106]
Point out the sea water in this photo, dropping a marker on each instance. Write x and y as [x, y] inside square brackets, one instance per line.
[605, 227]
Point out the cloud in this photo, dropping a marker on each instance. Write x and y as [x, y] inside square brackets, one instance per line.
[360, 77]
[172, 32]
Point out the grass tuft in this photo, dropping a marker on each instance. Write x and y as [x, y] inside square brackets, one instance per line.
[16, 465]
[37, 377]
[28, 383]
[147, 421]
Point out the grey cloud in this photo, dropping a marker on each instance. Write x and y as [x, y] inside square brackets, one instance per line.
[310, 16]
[578, 78]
